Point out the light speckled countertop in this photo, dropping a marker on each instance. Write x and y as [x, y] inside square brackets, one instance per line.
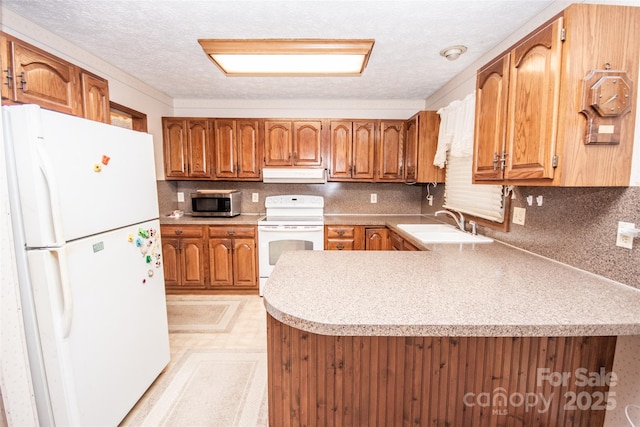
[245, 219]
[450, 290]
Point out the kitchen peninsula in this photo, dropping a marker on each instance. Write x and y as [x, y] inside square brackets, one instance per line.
[482, 334]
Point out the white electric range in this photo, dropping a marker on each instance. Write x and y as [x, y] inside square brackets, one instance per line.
[293, 223]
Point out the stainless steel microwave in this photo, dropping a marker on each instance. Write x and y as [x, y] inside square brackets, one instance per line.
[215, 203]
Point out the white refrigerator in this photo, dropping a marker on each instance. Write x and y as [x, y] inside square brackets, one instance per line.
[84, 213]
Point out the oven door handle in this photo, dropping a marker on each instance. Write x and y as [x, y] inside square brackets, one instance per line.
[280, 228]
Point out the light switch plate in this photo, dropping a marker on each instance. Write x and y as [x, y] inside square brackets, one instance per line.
[518, 215]
[255, 197]
[180, 196]
[374, 198]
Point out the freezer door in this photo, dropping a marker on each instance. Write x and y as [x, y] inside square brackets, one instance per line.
[78, 177]
[101, 311]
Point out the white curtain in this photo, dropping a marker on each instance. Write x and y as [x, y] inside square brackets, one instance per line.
[455, 150]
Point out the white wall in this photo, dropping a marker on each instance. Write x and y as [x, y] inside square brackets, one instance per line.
[299, 108]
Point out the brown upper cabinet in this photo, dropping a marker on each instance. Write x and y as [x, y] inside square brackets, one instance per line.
[420, 146]
[237, 148]
[352, 150]
[187, 148]
[293, 143]
[95, 97]
[529, 128]
[389, 152]
[32, 76]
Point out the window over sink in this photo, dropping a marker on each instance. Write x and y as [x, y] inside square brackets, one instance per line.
[455, 149]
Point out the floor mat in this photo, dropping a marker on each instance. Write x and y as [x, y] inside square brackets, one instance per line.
[201, 314]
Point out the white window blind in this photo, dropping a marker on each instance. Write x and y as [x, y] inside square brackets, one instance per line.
[455, 144]
[483, 201]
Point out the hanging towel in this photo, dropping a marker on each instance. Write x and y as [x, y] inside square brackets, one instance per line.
[455, 135]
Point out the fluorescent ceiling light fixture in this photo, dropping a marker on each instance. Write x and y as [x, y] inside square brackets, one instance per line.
[288, 57]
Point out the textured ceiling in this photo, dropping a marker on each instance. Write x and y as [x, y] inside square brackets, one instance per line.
[156, 40]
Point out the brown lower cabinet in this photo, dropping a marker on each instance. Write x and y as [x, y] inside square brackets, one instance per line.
[321, 380]
[183, 252]
[356, 238]
[397, 243]
[210, 259]
[233, 257]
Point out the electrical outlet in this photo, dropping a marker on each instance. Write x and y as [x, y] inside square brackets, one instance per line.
[622, 240]
[374, 198]
[180, 196]
[518, 215]
[255, 197]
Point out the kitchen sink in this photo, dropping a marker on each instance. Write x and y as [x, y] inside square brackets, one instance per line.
[424, 228]
[442, 233]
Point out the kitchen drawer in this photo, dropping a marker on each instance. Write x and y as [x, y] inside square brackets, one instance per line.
[181, 231]
[226, 231]
[340, 245]
[340, 232]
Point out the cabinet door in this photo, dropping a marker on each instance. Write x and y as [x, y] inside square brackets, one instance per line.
[221, 262]
[534, 88]
[492, 90]
[277, 143]
[43, 79]
[411, 149]
[95, 98]
[224, 142]
[364, 138]
[396, 242]
[245, 271]
[192, 255]
[248, 146]
[307, 143]
[390, 146]
[428, 127]
[376, 239]
[171, 262]
[340, 143]
[174, 138]
[199, 148]
[6, 86]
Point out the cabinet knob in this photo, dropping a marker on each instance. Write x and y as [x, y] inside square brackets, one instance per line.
[231, 233]
[341, 233]
[178, 232]
[340, 247]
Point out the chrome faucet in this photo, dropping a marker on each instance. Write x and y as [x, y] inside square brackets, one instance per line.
[459, 222]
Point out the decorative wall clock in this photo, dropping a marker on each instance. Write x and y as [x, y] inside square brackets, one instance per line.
[606, 98]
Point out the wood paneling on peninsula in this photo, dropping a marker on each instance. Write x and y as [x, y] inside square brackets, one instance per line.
[423, 381]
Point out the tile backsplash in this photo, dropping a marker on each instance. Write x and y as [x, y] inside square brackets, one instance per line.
[339, 198]
[576, 226]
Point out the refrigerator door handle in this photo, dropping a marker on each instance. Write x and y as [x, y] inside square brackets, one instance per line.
[52, 187]
[67, 296]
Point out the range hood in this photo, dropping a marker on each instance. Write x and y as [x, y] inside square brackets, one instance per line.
[294, 175]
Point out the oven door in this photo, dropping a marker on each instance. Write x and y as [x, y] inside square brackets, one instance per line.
[276, 239]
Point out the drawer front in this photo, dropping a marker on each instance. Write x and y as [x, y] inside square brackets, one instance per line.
[225, 231]
[340, 245]
[181, 231]
[340, 232]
